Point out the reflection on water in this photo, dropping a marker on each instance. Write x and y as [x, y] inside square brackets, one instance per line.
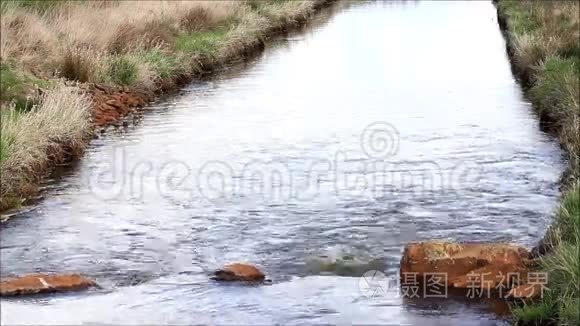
[379, 124]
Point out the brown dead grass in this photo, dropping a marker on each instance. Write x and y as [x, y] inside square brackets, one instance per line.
[541, 29]
[36, 141]
[67, 41]
[78, 40]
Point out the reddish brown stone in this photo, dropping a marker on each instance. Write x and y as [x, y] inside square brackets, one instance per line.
[44, 283]
[463, 262]
[239, 272]
[435, 257]
[118, 97]
[451, 267]
[132, 101]
[492, 276]
[113, 103]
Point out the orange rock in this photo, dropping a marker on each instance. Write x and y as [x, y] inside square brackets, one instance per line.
[44, 283]
[461, 261]
[451, 267]
[435, 257]
[491, 276]
[526, 291]
[239, 272]
[496, 253]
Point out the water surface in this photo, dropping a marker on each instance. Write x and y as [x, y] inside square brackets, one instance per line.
[378, 124]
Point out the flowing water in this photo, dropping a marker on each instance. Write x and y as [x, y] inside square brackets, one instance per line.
[378, 124]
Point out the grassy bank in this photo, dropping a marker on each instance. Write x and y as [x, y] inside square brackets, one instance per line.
[50, 48]
[543, 41]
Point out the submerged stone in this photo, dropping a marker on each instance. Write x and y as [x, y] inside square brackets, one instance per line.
[346, 265]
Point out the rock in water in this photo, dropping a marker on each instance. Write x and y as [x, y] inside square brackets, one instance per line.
[44, 283]
[239, 272]
[462, 263]
[342, 266]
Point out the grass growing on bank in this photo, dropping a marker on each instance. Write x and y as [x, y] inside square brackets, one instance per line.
[48, 46]
[544, 37]
[30, 140]
[560, 305]
[19, 89]
[108, 42]
[204, 43]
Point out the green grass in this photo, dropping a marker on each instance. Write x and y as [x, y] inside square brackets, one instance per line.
[254, 4]
[564, 269]
[123, 71]
[5, 142]
[38, 5]
[569, 312]
[7, 116]
[556, 87]
[165, 65]
[12, 83]
[541, 29]
[541, 313]
[257, 5]
[567, 221]
[18, 88]
[560, 303]
[521, 21]
[203, 43]
[544, 39]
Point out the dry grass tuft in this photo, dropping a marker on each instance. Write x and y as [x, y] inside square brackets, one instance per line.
[32, 140]
[60, 40]
[198, 19]
[78, 40]
[540, 29]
